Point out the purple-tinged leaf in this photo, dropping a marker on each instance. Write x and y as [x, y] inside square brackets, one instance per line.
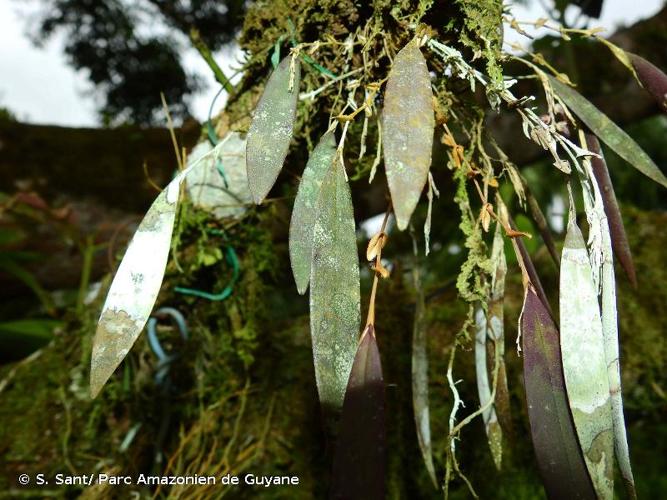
[559, 457]
[619, 239]
[360, 458]
[653, 80]
[542, 226]
[530, 268]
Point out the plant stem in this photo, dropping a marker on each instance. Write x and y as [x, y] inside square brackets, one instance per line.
[205, 52]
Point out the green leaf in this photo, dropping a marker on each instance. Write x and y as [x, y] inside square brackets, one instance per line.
[584, 361]
[360, 458]
[407, 130]
[489, 417]
[304, 211]
[608, 132]
[559, 457]
[334, 289]
[271, 128]
[420, 401]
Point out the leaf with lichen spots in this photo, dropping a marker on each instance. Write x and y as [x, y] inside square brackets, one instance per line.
[407, 130]
[619, 239]
[271, 128]
[559, 457]
[360, 458]
[608, 132]
[493, 432]
[584, 365]
[334, 289]
[135, 287]
[303, 213]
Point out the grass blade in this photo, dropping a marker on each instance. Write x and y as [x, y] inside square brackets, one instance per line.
[271, 128]
[303, 214]
[408, 127]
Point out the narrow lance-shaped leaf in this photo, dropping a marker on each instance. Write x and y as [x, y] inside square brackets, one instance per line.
[420, 401]
[496, 328]
[407, 130]
[559, 456]
[619, 239]
[137, 282]
[542, 225]
[608, 132]
[491, 426]
[653, 80]
[530, 267]
[360, 457]
[612, 355]
[584, 365]
[271, 128]
[304, 211]
[334, 289]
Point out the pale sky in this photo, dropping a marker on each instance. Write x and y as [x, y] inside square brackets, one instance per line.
[39, 87]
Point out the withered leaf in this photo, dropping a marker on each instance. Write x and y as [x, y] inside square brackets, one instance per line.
[360, 457]
[584, 362]
[559, 457]
[608, 132]
[334, 289]
[303, 214]
[271, 128]
[407, 130]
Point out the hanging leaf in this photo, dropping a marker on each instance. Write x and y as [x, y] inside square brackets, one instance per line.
[612, 355]
[530, 268]
[542, 225]
[271, 128]
[420, 401]
[136, 285]
[305, 205]
[496, 327]
[608, 131]
[491, 426]
[584, 365]
[334, 289]
[653, 80]
[408, 129]
[220, 186]
[619, 240]
[360, 458]
[559, 457]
